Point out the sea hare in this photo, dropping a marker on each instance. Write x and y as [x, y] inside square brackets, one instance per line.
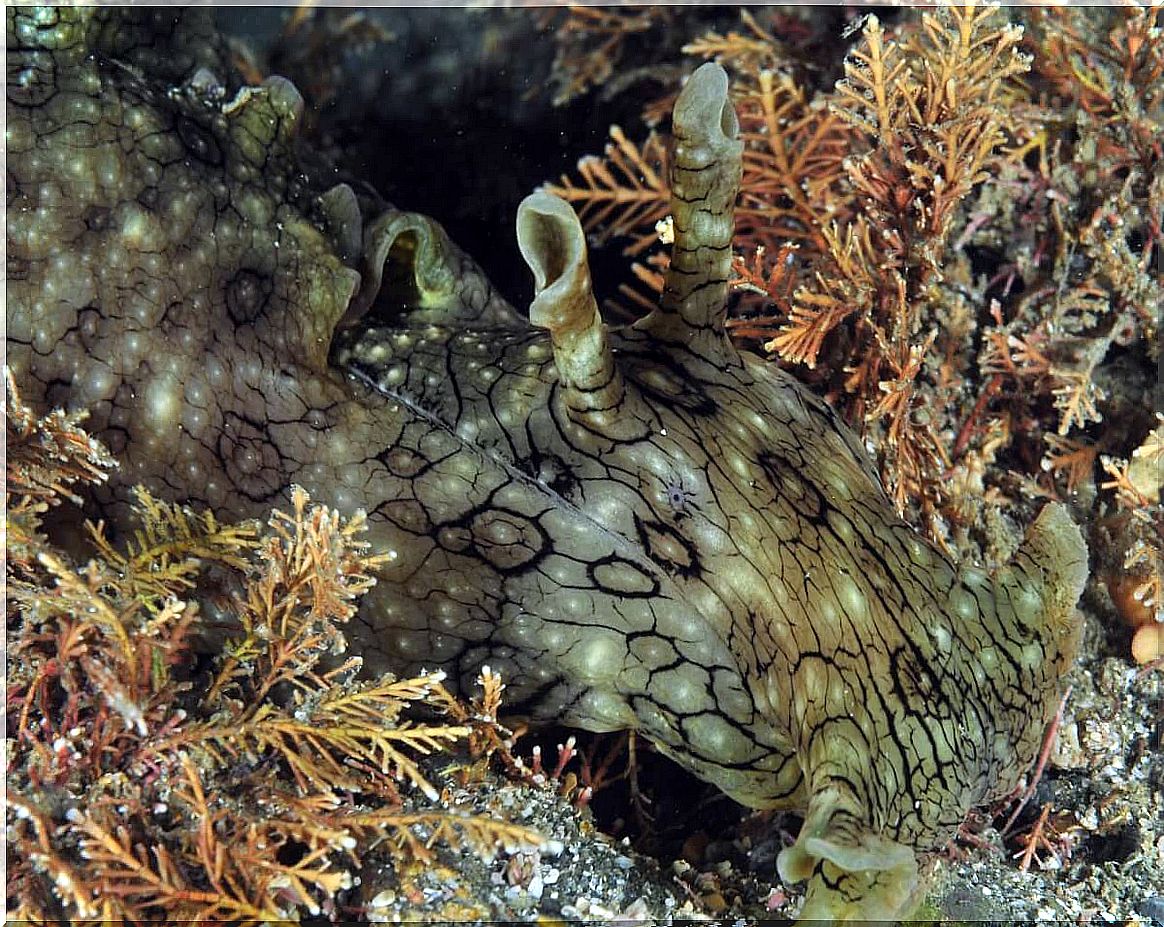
[640, 528]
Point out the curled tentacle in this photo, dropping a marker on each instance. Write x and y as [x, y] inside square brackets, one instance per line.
[412, 272]
[553, 244]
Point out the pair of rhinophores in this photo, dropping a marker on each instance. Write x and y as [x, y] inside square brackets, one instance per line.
[640, 528]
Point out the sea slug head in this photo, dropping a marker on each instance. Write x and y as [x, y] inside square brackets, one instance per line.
[792, 593]
[742, 490]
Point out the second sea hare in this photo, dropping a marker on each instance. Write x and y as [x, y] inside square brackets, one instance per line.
[640, 528]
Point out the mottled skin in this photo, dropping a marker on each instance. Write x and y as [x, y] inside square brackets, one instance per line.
[641, 529]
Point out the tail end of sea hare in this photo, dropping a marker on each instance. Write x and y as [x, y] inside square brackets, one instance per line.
[1025, 610]
[1042, 584]
[1053, 558]
[853, 874]
[1035, 597]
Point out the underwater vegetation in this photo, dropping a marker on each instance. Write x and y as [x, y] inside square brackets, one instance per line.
[958, 244]
[153, 776]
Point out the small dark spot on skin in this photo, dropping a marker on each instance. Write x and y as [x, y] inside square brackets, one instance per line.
[96, 218]
[16, 268]
[199, 143]
[251, 460]
[551, 471]
[246, 295]
[32, 78]
[88, 322]
[116, 440]
[678, 497]
[148, 198]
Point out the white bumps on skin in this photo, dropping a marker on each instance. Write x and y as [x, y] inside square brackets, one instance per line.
[139, 229]
[940, 631]
[852, 600]
[609, 711]
[717, 738]
[598, 660]
[161, 402]
[962, 604]
[99, 383]
[685, 690]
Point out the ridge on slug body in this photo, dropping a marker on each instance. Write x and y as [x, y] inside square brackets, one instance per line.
[679, 538]
[640, 528]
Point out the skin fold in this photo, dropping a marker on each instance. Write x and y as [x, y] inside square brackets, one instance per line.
[639, 528]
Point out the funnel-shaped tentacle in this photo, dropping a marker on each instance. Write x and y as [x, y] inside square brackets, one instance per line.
[705, 180]
[553, 245]
[414, 274]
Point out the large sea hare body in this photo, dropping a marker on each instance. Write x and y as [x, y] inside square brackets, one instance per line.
[643, 528]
